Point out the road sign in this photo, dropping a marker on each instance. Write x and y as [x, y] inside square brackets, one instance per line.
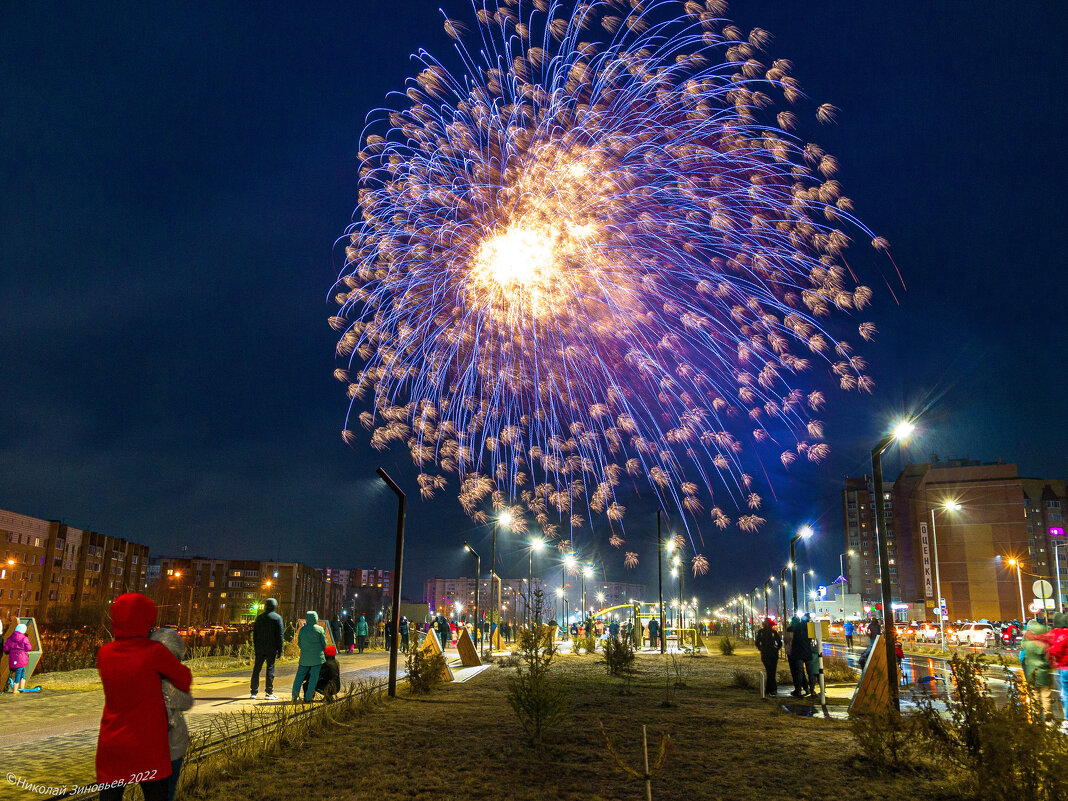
[942, 608]
[1040, 603]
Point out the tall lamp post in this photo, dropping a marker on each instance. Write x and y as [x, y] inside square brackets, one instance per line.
[767, 592]
[660, 581]
[1019, 580]
[951, 506]
[901, 431]
[398, 569]
[504, 520]
[535, 545]
[803, 534]
[804, 586]
[782, 593]
[478, 577]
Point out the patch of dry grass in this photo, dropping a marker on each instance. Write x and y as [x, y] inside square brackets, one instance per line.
[462, 743]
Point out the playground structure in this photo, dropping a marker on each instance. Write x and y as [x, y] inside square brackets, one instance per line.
[640, 613]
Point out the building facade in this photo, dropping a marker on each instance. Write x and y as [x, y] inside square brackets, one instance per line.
[197, 590]
[970, 553]
[49, 568]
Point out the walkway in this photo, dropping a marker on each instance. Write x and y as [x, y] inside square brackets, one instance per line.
[49, 738]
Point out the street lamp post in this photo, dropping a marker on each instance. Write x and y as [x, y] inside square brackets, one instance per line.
[901, 431]
[535, 545]
[782, 593]
[804, 533]
[952, 506]
[1019, 580]
[505, 520]
[398, 569]
[804, 586]
[660, 582]
[478, 576]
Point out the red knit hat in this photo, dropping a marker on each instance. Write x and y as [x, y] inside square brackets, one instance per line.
[330, 651]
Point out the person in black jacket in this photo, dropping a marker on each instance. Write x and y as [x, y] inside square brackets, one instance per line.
[769, 643]
[350, 634]
[801, 656]
[267, 643]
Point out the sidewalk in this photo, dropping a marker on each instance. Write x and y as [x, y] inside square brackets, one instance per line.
[49, 738]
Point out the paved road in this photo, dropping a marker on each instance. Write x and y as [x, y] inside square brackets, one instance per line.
[50, 738]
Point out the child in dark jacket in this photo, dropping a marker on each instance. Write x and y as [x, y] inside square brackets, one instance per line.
[177, 702]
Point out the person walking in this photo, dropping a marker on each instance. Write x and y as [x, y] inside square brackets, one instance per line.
[875, 628]
[1036, 665]
[312, 642]
[1057, 656]
[848, 629]
[17, 647]
[349, 641]
[133, 729]
[176, 702]
[769, 643]
[654, 633]
[361, 633]
[267, 645]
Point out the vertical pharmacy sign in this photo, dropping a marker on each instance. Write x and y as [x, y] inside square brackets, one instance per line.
[928, 575]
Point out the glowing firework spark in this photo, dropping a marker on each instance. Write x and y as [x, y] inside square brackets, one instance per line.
[596, 255]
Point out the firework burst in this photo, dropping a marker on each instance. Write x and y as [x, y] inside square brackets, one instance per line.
[594, 256]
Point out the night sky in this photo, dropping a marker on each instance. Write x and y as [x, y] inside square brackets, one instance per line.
[173, 178]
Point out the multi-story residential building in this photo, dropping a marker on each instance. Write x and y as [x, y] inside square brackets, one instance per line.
[1045, 504]
[48, 566]
[965, 551]
[199, 590]
[375, 577]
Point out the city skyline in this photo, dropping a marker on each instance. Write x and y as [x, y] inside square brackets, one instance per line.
[168, 367]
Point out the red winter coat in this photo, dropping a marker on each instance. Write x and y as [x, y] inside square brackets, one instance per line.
[1057, 653]
[133, 731]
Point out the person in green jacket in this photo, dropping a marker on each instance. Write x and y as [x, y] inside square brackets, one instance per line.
[361, 633]
[1036, 666]
[312, 641]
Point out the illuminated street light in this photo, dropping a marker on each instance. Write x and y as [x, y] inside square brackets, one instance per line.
[1019, 579]
[802, 534]
[950, 506]
[900, 432]
[478, 576]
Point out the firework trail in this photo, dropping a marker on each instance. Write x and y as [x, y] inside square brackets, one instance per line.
[596, 255]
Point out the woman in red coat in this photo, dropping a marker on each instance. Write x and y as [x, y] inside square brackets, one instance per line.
[132, 746]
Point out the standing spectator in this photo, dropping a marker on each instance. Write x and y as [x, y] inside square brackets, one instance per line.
[848, 629]
[404, 633]
[654, 633]
[350, 634]
[267, 645]
[335, 629]
[444, 633]
[177, 702]
[801, 652]
[133, 729]
[788, 649]
[875, 628]
[769, 642]
[1057, 655]
[361, 633]
[18, 650]
[1036, 665]
[312, 641]
[613, 630]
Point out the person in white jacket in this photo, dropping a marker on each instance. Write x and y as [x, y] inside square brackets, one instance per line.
[177, 702]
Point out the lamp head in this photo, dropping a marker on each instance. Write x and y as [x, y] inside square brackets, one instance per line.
[505, 519]
[805, 532]
[1012, 562]
[903, 429]
[953, 506]
[559, 592]
[537, 544]
[570, 562]
[587, 571]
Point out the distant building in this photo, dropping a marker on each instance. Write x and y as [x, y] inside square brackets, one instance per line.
[1002, 517]
[57, 567]
[443, 595]
[205, 591]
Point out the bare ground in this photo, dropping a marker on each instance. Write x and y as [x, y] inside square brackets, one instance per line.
[462, 743]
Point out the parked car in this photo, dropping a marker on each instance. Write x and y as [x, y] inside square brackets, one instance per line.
[928, 632]
[977, 635]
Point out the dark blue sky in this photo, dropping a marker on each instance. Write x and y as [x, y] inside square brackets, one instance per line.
[173, 178]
